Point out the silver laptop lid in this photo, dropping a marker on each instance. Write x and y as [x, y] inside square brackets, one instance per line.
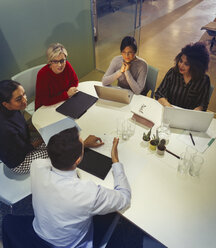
[114, 94]
[187, 119]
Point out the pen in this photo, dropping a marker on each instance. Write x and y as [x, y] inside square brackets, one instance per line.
[173, 154]
[210, 142]
[192, 138]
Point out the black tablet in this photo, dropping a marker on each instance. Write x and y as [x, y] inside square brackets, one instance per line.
[95, 163]
[77, 105]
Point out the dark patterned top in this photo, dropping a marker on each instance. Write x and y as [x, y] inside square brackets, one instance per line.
[14, 138]
[177, 92]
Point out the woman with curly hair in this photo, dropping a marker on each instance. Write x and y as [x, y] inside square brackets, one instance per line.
[186, 85]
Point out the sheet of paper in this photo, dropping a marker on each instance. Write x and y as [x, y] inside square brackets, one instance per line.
[48, 131]
[108, 142]
[201, 139]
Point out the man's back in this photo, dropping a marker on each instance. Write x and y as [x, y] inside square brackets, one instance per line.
[64, 204]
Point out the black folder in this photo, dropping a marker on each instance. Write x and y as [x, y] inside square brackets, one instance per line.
[77, 105]
[95, 163]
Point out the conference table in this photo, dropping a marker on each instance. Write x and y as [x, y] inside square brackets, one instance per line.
[179, 211]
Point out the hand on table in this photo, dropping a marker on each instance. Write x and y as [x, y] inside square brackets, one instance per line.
[163, 101]
[114, 151]
[93, 141]
[72, 91]
[37, 142]
[200, 108]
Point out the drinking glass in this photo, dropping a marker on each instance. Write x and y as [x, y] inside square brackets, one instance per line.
[191, 151]
[184, 163]
[197, 162]
[125, 130]
[131, 127]
[163, 132]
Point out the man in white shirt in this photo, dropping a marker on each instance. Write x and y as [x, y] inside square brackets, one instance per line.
[63, 203]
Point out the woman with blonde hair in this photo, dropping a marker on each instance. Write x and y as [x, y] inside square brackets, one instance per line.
[56, 81]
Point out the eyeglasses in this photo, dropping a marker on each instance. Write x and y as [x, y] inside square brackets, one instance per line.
[128, 53]
[61, 61]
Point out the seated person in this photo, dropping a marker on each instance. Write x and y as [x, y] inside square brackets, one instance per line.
[127, 68]
[16, 149]
[63, 203]
[186, 85]
[56, 81]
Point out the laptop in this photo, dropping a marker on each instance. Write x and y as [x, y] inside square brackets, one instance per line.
[187, 119]
[114, 94]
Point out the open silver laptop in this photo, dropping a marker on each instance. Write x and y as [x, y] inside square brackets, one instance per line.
[187, 119]
[114, 94]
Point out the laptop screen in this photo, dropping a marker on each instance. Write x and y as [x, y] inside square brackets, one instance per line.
[187, 119]
[113, 94]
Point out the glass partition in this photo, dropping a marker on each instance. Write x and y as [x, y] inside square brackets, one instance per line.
[113, 20]
[28, 27]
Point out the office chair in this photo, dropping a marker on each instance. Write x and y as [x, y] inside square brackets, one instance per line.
[104, 5]
[150, 81]
[211, 89]
[27, 79]
[211, 30]
[13, 187]
[213, 41]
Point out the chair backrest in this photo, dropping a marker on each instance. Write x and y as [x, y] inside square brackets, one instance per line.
[27, 79]
[211, 91]
[13, 187]
[150, 81]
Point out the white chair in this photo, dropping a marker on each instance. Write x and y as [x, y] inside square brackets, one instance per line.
[27, 79]
[13, 187]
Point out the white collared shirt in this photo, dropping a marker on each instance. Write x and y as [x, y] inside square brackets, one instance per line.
[64, 204]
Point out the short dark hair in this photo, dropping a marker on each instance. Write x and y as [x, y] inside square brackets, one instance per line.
[7, 87]
[65, 148]
[197, 57]
[128, 41]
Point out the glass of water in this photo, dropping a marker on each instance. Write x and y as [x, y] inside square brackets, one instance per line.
[163, 132]
[197, 162]
[184, 163]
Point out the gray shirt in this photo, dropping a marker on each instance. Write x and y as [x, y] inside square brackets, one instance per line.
[134, 78]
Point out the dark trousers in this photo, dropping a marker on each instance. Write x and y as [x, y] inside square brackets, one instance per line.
[18, 232]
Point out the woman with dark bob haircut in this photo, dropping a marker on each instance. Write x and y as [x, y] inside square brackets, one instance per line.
[186, 85]
[16, 149]
[127, 68]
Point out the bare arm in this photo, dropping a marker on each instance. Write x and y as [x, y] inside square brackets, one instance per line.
[199, 108]
[114, 151]
[163, 101]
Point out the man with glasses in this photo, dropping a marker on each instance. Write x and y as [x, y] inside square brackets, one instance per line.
[56, 81]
